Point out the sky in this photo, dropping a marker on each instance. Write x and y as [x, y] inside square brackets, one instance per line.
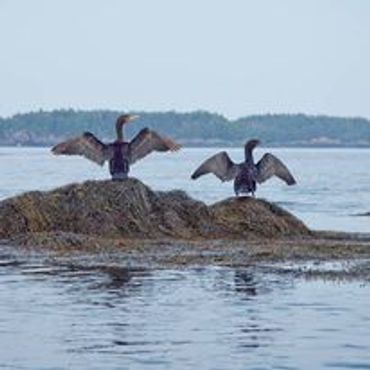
[233, 57]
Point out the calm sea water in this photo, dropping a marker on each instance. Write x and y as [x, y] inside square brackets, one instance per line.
[58, 316]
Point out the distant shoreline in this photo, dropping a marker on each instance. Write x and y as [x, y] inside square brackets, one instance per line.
[193, 129]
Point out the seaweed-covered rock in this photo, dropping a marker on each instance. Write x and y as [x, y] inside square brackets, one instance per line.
[246, 216]
[131, 210]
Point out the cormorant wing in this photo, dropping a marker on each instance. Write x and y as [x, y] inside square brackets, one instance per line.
[269, 166]
[220, 165]
[87, 145]
[147, 141]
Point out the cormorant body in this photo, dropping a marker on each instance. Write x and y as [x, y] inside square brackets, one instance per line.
[247, 174]
[120, 154]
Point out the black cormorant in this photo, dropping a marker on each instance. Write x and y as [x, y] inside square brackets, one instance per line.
[121, 154]
[246, 174]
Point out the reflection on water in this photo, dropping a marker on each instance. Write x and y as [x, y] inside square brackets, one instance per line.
[68, 316]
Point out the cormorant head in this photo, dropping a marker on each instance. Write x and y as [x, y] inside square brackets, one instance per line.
[122, 120]
[125, 118]
[251, 144]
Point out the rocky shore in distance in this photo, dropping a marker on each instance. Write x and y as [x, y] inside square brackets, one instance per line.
[166, 228]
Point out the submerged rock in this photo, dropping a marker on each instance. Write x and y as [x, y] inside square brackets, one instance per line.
[366, 214]
[131, 210]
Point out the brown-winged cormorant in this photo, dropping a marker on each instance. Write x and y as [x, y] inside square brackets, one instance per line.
[247, 174]
[121, 154]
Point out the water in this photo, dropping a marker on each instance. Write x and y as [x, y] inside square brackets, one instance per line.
[209, 318]
[59, 315]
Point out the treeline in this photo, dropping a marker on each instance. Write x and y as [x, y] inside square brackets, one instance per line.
[196, 128]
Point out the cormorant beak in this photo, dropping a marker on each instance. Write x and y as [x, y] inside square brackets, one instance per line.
[132, 118]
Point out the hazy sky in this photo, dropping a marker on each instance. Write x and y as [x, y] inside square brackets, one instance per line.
[235, 57]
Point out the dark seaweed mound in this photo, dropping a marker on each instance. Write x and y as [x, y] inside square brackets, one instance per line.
[131, 210]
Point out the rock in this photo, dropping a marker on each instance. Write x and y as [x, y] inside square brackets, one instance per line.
[131, 210]
[248, 216]
[366, 214]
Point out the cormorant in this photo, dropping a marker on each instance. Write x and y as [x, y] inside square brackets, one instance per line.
[121, 154]
[246, 174]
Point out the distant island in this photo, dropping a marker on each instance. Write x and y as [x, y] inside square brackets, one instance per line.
[199, 128]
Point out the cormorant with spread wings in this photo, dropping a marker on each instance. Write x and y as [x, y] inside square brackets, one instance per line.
[120, 154]
[247, 174]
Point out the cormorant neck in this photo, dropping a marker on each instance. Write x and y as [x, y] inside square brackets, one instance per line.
[248, 152]
[119, 130]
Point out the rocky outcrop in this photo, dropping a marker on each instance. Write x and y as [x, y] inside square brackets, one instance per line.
[131, 210]
[243, 217]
